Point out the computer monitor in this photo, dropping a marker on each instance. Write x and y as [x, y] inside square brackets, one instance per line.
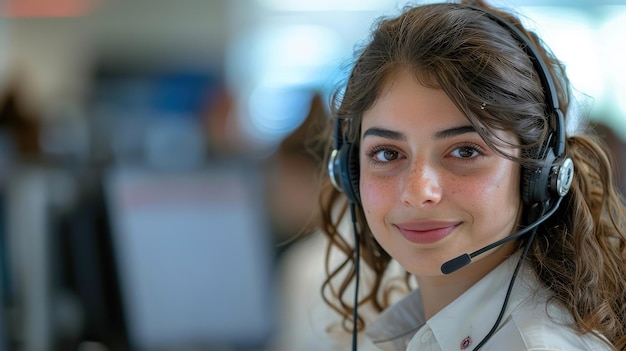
[194, 256]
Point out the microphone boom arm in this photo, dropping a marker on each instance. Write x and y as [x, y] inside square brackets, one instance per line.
[463, 260]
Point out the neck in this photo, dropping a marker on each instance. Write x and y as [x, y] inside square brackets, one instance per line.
[439, 291]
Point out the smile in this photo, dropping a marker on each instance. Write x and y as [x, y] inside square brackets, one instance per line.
[426, 232]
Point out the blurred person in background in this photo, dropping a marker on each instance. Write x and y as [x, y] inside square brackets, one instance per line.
[293, 176]
[19, 121]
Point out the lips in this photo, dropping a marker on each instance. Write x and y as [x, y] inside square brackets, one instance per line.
[426, 232]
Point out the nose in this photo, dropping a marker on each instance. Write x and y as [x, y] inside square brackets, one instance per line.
[422, 186]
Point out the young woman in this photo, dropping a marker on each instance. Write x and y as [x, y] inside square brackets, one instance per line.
[450, 145]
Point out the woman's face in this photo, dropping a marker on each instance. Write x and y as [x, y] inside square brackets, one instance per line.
[430, 186]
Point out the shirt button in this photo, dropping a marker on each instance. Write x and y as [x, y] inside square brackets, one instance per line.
[428, 334]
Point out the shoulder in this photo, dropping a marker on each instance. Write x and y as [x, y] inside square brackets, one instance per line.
[539, 324]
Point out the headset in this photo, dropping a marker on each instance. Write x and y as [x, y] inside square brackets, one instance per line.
[542, 186]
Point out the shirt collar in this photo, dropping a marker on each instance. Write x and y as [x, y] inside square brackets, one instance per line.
[395, 327]
[470, 315]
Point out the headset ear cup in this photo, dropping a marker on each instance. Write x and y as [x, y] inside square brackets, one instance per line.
[354, 173]
[349, 171]
[525, 185]
[536, 185]
[535, 189]
[563, 177]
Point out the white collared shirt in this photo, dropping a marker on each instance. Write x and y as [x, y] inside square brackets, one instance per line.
[530, 322]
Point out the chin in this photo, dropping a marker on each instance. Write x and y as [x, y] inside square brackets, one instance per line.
[423, 267]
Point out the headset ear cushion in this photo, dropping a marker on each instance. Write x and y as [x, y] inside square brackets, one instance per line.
[535, 185]
[349, 172]
[536, 182]
[525, 185]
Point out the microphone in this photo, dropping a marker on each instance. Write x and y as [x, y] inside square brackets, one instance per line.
[459, 262]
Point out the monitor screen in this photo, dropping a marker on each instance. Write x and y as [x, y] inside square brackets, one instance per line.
[194, 256]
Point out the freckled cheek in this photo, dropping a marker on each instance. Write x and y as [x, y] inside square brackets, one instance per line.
[494, 193]
[481, 191]
[467, 191]
[376, 194]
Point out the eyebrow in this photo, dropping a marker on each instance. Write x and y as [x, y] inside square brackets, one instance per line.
[451, 132]
[442, 134]
[384, 133]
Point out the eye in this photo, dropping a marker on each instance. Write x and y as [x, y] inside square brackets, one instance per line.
[385, 155]
[381, 155]
[466, 151]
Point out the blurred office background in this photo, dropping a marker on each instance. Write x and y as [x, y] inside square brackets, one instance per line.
[152, 164]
